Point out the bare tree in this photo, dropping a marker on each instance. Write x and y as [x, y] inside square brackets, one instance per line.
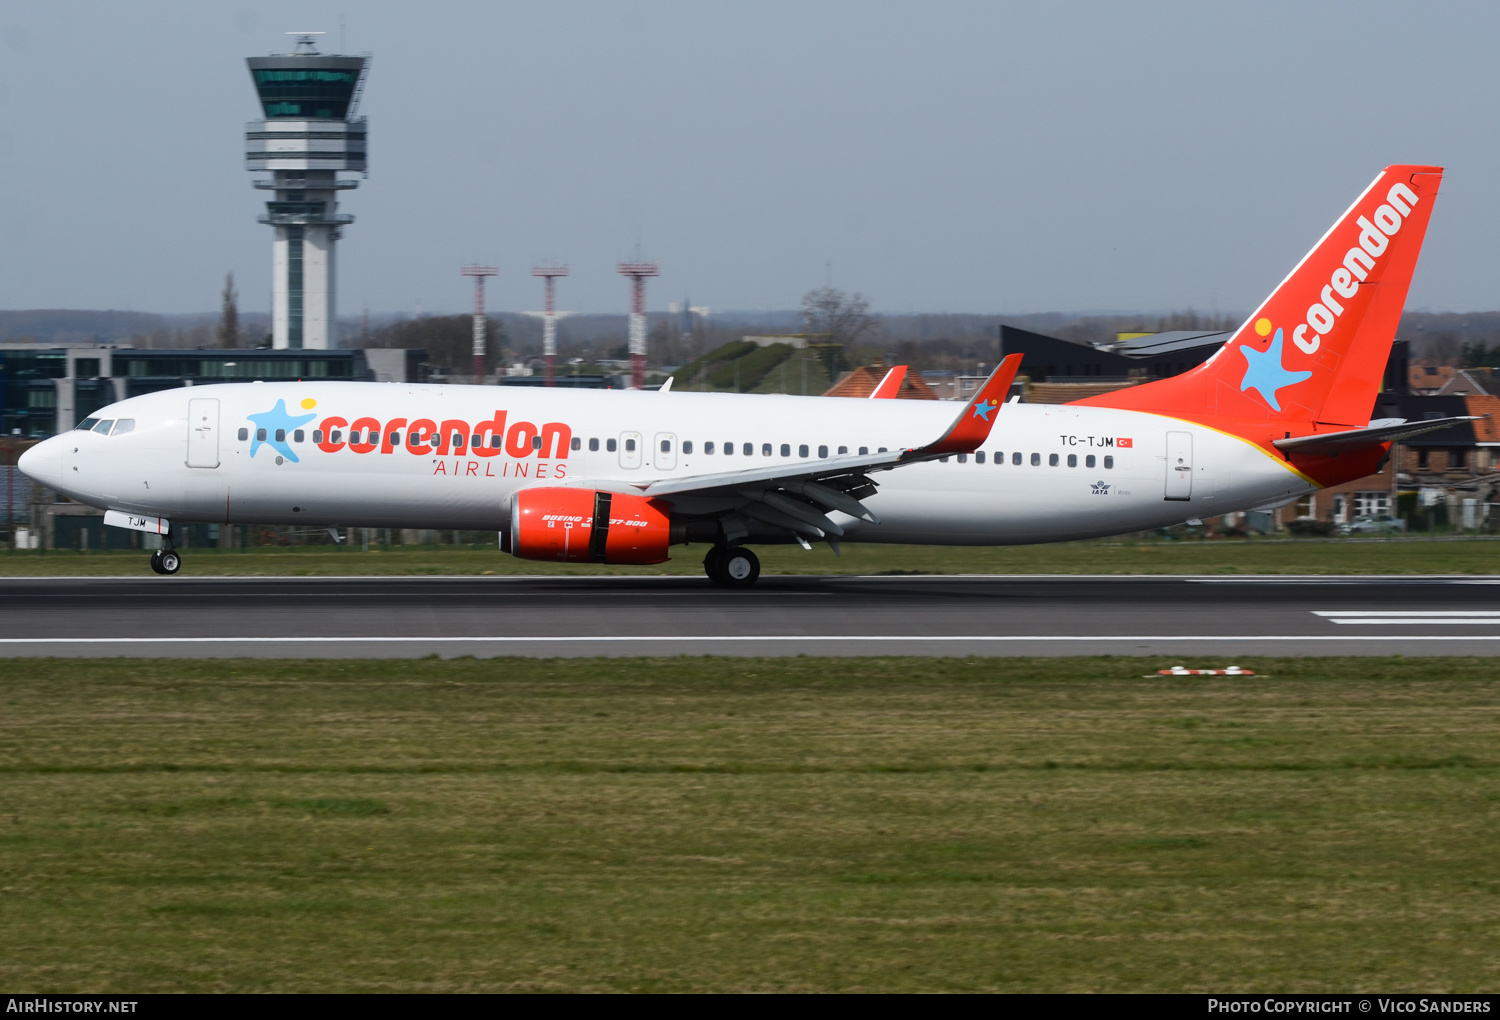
[843, 318]
[229, 316]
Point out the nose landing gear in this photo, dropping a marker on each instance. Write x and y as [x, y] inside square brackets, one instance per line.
[166, 561]
[732, 566]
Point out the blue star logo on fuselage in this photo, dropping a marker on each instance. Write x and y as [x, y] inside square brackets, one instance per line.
[276, 418]
[1265, 374]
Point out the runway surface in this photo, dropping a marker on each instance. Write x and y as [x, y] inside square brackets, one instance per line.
[402, 617]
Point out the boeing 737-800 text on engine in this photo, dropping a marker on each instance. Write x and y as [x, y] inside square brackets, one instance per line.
[1281, 409]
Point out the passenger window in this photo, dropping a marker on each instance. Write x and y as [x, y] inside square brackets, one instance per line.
[334, 436]
[765, 449]
[822, 451]
[963, 458]
[802, 450]
[260, 435]
[609, 445]
[687, 446]
[1109, 463]
[317, 435]
[123, 426]
[593, 446]
[495, 441]
[708, 448]
[473, 440]
[88, 423]
[881, 450]
[942, 460]
[630, 446]
[244, 434]
[576, 444]
[458, 440]
[536, 442]
[1052, 460]
[843, 449]
[979, 457]
[1015, 458]
[298, 436]
[395, 439]
[1072, 460]
[1089, 461]
[1036, 460]
[666, 446]
[786, 449]
[281, 435]
[104, 426]
[864, 450]
[748, 449]
[729, 449]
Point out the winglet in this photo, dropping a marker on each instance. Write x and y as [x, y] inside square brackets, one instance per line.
[972, 427]
[890, 386]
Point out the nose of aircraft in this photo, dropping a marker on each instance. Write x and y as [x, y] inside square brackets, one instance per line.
[44, 462]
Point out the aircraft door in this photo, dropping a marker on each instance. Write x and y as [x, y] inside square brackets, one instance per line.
[1179, 465]
[665, 453]
[630, 449]
[203, 433]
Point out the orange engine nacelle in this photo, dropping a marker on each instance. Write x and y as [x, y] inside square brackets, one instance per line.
[585, 526]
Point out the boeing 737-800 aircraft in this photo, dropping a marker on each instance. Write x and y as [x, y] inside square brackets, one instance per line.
[1282, 409]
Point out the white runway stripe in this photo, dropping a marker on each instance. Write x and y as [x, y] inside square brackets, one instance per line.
[1411, 617]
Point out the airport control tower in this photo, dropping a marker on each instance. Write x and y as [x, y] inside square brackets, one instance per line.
[309, 135]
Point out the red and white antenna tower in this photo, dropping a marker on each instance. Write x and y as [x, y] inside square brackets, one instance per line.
[638, 271]
[550, 274]
[479, 273]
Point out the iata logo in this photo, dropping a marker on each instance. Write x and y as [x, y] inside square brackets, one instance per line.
[1099, 488]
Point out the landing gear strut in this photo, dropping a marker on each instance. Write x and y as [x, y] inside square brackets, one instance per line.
[731, 567]
[166, 561]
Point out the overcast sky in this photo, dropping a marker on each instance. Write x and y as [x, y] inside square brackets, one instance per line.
[967, 157]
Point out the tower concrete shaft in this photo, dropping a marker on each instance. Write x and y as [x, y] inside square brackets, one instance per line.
[549, 275]
[638, 272]
[479, 273]
[308, 135]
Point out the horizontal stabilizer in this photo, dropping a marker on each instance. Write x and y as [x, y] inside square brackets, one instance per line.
[1378, 432]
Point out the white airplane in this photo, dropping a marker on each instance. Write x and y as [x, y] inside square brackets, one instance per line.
[1282, 409]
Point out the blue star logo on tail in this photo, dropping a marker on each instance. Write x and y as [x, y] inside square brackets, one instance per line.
[1265, 374]
[983, 409]
[277, 418]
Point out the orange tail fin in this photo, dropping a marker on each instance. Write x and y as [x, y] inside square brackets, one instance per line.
[1315, 350]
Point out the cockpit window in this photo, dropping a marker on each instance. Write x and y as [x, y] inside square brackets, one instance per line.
[122, 426]
[103, 427]
[87, 424]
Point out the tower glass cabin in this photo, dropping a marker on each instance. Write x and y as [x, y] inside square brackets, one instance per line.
[310, 133]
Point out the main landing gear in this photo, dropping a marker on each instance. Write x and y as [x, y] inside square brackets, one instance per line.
[166, 561]
[732, 566]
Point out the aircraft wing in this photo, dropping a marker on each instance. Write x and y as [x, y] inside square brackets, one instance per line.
[797, 497]
[1384, 431]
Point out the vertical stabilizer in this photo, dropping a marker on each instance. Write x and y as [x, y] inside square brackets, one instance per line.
[1315, 350]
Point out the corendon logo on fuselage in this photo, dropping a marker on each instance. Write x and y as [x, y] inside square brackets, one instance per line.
[519, 449]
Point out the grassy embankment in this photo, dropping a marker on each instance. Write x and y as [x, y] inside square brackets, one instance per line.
[740, 824]
[1259, 556]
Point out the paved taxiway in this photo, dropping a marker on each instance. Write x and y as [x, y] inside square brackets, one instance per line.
[396, 617]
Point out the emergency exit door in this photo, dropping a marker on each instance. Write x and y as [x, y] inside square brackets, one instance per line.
[1179, 465]
[630, 449]
[203, 433]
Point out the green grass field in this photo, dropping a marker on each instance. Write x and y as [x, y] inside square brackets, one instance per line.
[713, 824]
[1259, 556]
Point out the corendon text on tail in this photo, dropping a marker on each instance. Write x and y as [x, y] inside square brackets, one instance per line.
[1280, 410]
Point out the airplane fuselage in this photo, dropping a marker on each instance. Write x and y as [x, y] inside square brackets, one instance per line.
[1047, 472]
